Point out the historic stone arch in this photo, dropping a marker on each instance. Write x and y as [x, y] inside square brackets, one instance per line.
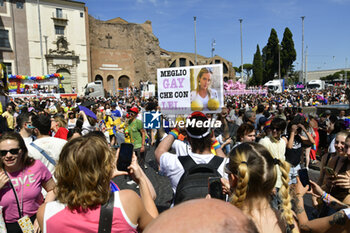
[98, 77]
[111, 85]
[66, 82]
[123, 81]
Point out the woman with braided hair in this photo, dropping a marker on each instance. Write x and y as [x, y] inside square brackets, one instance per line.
[252, 176]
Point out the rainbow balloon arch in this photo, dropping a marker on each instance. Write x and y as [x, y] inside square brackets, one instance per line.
[19, 83]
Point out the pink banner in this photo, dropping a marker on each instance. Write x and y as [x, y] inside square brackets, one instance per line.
[245, 92]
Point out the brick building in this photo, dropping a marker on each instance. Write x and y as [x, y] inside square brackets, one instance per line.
[123, 54]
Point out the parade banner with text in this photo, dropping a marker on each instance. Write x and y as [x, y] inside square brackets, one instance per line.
[183, 90]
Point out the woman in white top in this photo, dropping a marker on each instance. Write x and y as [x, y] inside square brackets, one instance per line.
[71, 120]
[203, 92]
[89, 123]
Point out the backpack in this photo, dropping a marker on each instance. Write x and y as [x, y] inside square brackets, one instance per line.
[194, 182]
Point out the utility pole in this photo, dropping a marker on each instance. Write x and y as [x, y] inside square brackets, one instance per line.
[346, 73]
[195, 41]
[305, 68]
[279, 61]
[242, 75]
[14, 38]
[41, 40]
[212, 47]
[46, 52]
[302, 50]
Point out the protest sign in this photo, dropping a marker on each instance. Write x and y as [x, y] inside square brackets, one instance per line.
[182, 90]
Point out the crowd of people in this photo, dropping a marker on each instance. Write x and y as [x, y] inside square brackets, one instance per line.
[59, 172]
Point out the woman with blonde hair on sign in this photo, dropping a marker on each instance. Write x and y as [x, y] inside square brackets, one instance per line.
[84, 196]
[252, 176]
[203, 97]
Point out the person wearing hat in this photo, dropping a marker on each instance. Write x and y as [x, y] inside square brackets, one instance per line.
[137, 135]
[200, 138]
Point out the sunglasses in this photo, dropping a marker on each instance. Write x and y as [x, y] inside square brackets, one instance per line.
[14, 151]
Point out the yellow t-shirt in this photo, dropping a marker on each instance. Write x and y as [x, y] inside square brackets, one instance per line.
[10, 119]
[126, 132]
[109, 125]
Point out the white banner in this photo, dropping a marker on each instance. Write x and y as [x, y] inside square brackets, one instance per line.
[183, 90]
[45, 82]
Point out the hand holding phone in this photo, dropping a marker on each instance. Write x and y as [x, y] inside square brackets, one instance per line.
[125, 156]
[215, 188]
[330, 171]
[304, 177]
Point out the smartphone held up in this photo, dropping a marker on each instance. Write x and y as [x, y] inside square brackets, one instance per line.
[215, 188]
[125, 156]
[304, 176]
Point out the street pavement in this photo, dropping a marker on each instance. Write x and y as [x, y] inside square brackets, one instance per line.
[163, 189]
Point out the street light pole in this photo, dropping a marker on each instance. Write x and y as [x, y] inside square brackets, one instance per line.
[195, 41]
[346, 73]
[302, 50]
[212, 47]
[242, 75]
[41, 40]
[279, 61]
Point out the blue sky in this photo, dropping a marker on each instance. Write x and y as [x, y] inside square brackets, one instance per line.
[326, 26]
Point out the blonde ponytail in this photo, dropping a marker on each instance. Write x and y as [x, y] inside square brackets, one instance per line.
[287, 213]
[239, 196]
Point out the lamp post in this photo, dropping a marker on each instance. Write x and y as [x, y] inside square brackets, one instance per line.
[212, 47]
[195, 41]
[41, 40]
[346, 73]
[302, 50]
[242, 75]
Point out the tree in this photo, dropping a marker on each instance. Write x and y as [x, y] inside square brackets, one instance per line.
[271, 63]
[336, 75]
[247, 68]
[258, 69]
[288, 53]
[237, 69]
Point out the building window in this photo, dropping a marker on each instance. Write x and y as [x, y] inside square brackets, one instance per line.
[217, 61]
[19, 5]
[8, 67]
[59, 30]
[4, 38]
[182, 61]
[225, 69]
[81, 14]
[173, 64]
[191, 63]
[59, 13]
[1, 2]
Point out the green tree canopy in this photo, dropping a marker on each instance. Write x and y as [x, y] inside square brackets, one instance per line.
[257, 78]
[247, 69]
[271, 62]
[288, 53]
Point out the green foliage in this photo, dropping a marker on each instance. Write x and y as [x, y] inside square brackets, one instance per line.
[258, 69]
[288, 54]
[237, 69]
[247, 68]
[336, 75]
[271, 63]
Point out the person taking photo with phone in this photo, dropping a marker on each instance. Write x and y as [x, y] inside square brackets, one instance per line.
[83, 193]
